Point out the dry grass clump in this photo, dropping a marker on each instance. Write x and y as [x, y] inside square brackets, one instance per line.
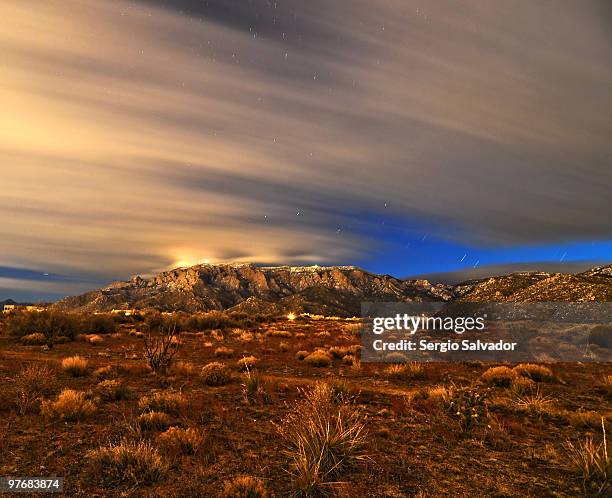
[537, 373]
[186, 441]
[223, 352]
[77, 366]
[499, 376]
[352, 329]
[137, 462]
[323, 436]
[246, 336]
[172, 403]
[254, 386]
[244, 487]
[300, 355]
[104, 373]
[522, 386]
[406, 371]
[94, 339]
[31, 383]
[283, 347]
[278, 333]
[36, 339]
[154, 421]
[338, 352]
[318, 359]
[215, 374]
[440, 394]
[184, 369]
[606, 384]
[70, 406]
[247, 362]
[593, 463]
[112, 390]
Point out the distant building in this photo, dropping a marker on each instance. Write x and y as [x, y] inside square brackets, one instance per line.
[12, 307]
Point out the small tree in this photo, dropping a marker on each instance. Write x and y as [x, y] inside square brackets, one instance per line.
[161, 346]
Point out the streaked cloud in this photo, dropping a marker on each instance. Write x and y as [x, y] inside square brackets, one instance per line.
[135, 136]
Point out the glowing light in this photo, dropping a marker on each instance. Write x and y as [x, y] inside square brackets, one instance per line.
[291, 316]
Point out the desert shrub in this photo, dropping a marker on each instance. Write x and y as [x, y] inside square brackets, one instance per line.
[76, 366]
[183, 368]
[348, 359]
[70, 406]
[468, 406]
[215, 374]
[223, 352]
[104, 373]
[278, 333]
[160, 345]
[244, 487]
[352, 329]
[318, 359]
[31, 383]
[248, 362]
[170, 402]
[440, 395]
[606, 384]
[322, 438]
[94, 339]
[300, 355]
[537, 373]
[51, 324]
[593, 463]
[137, 462]
[498, 376]
[338, 352]
[186, 441]
[522, 386]
[154, 421]
[36, 339]
[406, 371]
[100, 324]
[112, 390]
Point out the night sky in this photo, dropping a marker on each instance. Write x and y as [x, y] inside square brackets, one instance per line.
[406, 137]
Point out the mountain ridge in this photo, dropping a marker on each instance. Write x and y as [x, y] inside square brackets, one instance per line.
[326, 290]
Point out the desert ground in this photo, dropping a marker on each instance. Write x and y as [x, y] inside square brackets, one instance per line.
[288, 409]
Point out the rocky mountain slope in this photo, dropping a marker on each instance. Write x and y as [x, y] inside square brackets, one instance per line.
[337, 290]
[315, 289]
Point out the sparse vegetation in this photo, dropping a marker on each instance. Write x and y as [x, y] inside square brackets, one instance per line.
[499, 376]
[186, 441]
[318, 359]
[112, 390]
[593, 463]
[244, 487]
[137, 462]
[154, 421]
[537, 373]
[468, 407]
[172, 403]
[211, 435]
[77, 366]
[160, 348]
[215, 374]
[70, 406]
[323, 436]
